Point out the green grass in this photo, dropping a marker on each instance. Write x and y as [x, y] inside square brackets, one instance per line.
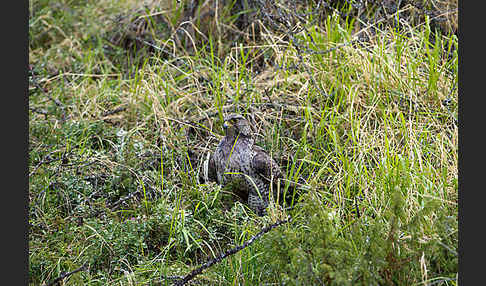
[370, 126]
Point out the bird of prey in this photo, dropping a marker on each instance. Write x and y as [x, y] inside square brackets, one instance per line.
[246, 167]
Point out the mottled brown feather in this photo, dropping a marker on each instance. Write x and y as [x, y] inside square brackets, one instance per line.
[265, 166]
[247, 168]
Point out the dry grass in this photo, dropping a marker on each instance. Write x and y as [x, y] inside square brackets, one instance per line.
[369, 128]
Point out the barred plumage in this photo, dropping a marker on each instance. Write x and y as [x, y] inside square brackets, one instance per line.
[247, 167]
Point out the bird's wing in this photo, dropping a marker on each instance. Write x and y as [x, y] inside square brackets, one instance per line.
[269, 170]
[265, 166]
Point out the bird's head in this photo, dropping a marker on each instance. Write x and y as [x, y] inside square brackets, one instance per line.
[236, 125]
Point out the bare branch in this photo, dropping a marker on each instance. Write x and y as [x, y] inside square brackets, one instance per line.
[232, 251]
[65, 275]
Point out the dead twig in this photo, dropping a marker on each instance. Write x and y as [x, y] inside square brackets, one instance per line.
[124, 199]
[114, 111]
[65, 275]
[232, 251]
[38, 110]
[47, 160]
[56, 101]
